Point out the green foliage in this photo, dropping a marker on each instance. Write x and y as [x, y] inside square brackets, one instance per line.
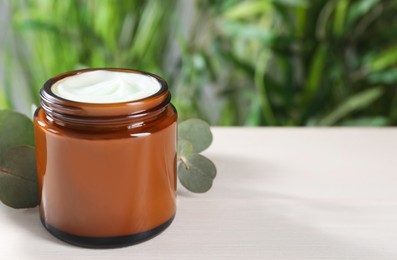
[185, 148]
[297, 63]
[196, 132]
[15, 130]
[253, 62]
[18, 177]
[355, 102]
[3, 103]
[18, 180]
[195, 172]
[51, 37]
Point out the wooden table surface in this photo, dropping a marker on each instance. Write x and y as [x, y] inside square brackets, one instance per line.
[280, 193]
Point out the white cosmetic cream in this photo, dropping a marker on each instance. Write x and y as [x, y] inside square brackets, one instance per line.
[104, 87]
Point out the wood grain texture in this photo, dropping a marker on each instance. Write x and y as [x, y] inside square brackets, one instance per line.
[279, 194]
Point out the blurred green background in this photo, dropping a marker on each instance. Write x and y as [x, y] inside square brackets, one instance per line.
[252, 62]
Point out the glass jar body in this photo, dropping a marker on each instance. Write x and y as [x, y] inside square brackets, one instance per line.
[107, 185]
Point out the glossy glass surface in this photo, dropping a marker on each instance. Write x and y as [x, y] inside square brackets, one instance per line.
[106, 170]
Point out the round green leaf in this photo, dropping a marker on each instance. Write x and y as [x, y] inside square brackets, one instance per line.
[196, 173]
[185, 148]
[18, 179]
[197, 132]
[15, 130]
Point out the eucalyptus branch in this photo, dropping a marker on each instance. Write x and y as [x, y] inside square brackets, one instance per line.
[18, 178]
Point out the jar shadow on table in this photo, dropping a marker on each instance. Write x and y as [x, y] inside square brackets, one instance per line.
[29, 221]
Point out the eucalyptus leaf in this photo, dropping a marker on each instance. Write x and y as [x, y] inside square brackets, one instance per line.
[15, 130]
[185, 148]
[196, 173]
[197, 132]
[18, 179]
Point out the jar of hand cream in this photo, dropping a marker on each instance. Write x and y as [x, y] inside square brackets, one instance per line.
[106, 156]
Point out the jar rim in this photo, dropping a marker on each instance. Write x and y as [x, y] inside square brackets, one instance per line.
[54, 104]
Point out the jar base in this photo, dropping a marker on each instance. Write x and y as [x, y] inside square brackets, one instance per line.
[107, 242]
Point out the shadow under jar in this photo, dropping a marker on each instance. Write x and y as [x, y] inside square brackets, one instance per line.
[106, 171]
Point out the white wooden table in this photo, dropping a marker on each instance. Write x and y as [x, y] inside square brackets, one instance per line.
[279, 194]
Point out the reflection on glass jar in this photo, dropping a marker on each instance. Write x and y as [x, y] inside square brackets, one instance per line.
[106, 171]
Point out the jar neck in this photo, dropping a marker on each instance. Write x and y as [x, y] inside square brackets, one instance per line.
[65, 112]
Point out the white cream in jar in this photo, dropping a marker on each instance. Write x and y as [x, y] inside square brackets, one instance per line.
[105, 87]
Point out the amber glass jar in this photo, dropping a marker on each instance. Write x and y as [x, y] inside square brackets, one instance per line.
[106, 172]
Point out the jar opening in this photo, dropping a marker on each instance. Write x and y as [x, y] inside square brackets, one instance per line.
[106, 87]
[152, 98]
